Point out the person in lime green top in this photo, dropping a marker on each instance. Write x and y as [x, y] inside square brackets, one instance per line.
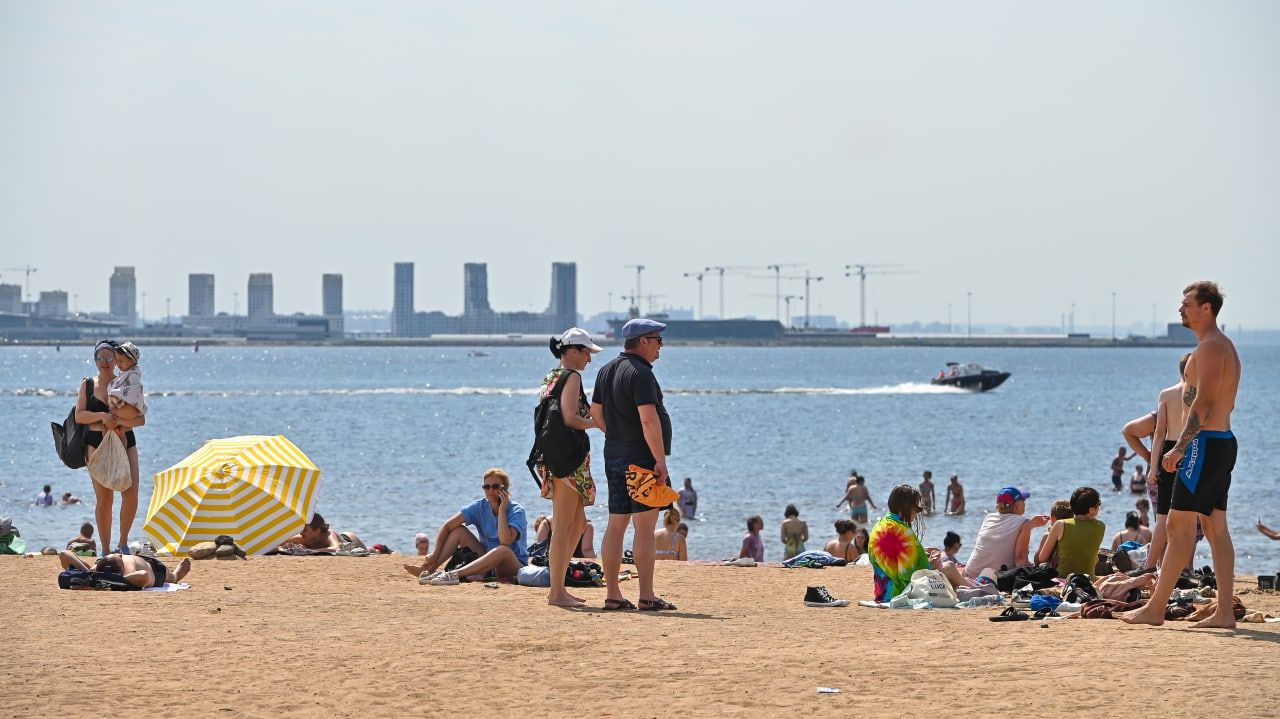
[894, 547]
[1077, 539]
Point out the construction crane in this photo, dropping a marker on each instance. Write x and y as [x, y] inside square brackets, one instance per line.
[636, 303]
[861, 272]
[697, 276]
[808, 279]
[786, 299]
[720, 271]
[28, 269]
[777, 288]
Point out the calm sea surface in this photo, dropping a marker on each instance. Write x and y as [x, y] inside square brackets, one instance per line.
[404, 434]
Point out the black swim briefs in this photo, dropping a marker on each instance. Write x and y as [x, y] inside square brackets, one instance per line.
[1164, 489]
[158, 569]
[1204, 475]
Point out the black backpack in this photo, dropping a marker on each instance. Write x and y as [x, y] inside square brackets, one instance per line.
[556, 445]
[96, 581]
[68, 439]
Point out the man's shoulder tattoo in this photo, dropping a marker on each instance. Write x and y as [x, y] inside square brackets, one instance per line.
[1189, 396]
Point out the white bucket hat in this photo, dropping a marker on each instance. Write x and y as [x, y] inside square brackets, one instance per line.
[576, 336]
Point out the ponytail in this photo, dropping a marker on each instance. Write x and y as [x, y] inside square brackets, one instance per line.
[557, 348]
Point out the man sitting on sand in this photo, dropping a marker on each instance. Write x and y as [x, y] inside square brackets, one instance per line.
[141, 572]
[501, 526]
[84, 545]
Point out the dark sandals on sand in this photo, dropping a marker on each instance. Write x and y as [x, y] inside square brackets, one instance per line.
[1010, 615]
[617, 605]
[654, 605]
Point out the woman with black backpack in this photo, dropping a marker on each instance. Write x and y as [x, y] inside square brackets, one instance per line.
[562, 454]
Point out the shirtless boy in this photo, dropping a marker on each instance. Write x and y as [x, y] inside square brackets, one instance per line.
[1171, 416]
[1203, 458]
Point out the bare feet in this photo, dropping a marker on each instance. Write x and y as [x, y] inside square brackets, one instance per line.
[415, 569]
[183, 567]
[1216, 621]
[1148, 614]
[565, 600]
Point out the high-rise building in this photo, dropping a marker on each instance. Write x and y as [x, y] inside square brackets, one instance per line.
[475, 289]
[564, 293]
[261, 296]
[402, 301]
[52, 304]
[124, 296]
[200, 302]
[11, 299]
[331, 289]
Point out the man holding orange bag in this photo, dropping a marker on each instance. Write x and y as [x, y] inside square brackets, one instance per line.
[626, 404]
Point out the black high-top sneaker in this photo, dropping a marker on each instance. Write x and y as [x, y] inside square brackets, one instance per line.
[820, 597]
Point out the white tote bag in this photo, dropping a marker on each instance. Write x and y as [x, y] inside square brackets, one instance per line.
[931, 585]
[109, 465]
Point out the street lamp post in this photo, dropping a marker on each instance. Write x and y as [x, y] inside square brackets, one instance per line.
[969, 311]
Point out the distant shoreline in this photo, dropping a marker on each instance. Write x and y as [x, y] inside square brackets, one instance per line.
[487, 341]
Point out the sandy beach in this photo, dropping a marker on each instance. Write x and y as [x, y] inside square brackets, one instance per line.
[357, 637]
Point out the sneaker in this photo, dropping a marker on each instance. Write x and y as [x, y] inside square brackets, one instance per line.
[441, 579]
[820, 597]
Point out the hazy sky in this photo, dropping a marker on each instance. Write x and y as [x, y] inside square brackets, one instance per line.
[1035, 154]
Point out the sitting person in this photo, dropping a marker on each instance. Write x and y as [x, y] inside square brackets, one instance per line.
[585, 549]
[317, 538]
[1078, 539]
[894, 548]
[499, 540]
[668, 541]
[141, 572]
[422, 543]
[862, 541]
[843, 546]
[1133, 532]
[1058, 511]
[752, 544]
[1005, 535]
[84, 545]
[1143, 507]
[950, 545]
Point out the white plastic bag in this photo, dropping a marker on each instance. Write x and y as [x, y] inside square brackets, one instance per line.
[929, 586]
[109, 465]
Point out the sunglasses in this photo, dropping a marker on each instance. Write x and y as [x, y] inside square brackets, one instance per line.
[658, 338]
[105, 359]
[487, 487]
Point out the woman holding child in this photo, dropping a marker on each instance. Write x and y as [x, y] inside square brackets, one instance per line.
[571, 493]
[111, 404]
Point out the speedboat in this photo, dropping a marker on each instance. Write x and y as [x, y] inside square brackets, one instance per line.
[970, 375]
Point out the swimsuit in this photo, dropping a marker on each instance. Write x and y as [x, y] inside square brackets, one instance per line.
[669, 552]
[158, 569]
[858, 513]
[1204, 476]
[93, 437]
[792, 546]
[1164, 488]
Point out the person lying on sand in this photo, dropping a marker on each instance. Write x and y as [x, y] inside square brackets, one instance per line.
[141, 572]
[317, 538]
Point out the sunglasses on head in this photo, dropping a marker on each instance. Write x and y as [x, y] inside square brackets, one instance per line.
[488, 487]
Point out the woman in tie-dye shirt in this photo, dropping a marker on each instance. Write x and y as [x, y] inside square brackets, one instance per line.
[894, 547]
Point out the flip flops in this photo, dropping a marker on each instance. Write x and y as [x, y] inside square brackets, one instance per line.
[1010, 615]
[617, 605]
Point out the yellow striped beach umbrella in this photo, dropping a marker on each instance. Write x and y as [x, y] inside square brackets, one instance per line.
[259, 490]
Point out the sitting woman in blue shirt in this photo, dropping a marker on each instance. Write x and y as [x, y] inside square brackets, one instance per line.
[499, 539]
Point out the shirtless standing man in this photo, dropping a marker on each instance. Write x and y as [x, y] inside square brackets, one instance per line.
[1203, 458]
[858, 498]
[1171, 416]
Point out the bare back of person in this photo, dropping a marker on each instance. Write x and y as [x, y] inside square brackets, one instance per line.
[1175, 412]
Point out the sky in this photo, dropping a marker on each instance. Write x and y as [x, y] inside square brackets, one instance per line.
[1036, 155]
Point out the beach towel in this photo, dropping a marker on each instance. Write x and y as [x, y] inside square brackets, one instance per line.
[126, 388]
[168, 587]
[815, 559]
[895, 555]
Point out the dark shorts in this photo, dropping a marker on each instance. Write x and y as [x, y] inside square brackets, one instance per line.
[93, 438]
[1164, 489]
[1204, 476]
[158, 569]
[620, 502]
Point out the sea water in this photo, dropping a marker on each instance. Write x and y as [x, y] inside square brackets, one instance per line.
[403, 434]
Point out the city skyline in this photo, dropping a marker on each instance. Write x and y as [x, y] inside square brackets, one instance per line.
[976, 146]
